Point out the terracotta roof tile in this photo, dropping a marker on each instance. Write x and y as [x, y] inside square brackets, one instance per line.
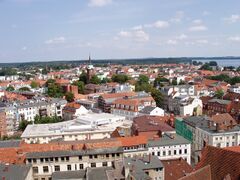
[176, 168]
[201, 174]
[132, 141]
[221, 161]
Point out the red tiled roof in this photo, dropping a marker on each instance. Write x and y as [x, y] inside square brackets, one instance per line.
[116, 95]
[152, 123]
[223, 162]
[132, 141]
[176, 168]
[201, 174]
[225, 119]
[233, 148]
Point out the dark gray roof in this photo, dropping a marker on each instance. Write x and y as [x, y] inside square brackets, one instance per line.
[220, 101]
[98, 173]
[167, 140]
[147, 110]
[10, 143]
[74, 153]
[65, 175]
[14, 172]
[137, 165]
[196, 121]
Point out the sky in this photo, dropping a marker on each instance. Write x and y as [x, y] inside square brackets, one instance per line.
[46, 30]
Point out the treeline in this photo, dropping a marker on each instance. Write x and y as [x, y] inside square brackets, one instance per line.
[225, 78]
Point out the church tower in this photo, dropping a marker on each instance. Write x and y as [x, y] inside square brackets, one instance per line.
[90, 69]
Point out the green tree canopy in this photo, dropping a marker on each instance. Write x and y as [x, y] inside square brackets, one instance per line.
[219, 93]
[34, 84]
[23, 89]
[10, 88]
[95, 80]
[83, 77]
[23, 124]
[120, 78]
[80, 85]
[69, 96]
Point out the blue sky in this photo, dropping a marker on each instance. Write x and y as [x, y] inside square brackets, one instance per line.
[42, 30]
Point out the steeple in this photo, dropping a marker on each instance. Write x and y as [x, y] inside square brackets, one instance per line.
[89, 59]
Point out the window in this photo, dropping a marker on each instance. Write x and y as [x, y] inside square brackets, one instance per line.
[113, 155]
[153, 153]
[227, 144]
[46, 159]
[233, 137]
[69, 167]
[62, 158]
[158, 153]
[41, 159]
[81, 166]
[104, 164]
[34, 160]
[35, 170]
[175, 152]
[233, 144]
[45, 169]
[56, 159]
[118, 154]
[90, 156]
[169, 153]
[164, 153]
[107, 155]
[218, 144]
[51, 159]
[67, 158]
[80, 157]
[29, 160]
[185, 151]
[93, 164]
[180, 151]
[95, 156]
[57, 168]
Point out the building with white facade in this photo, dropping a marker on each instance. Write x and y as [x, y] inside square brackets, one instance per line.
[170, 146]
[152, 111]
[88, 126]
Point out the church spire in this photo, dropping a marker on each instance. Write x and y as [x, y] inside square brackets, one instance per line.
[89, 59]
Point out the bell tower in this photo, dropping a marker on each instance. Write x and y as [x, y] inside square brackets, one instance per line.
[90, 69]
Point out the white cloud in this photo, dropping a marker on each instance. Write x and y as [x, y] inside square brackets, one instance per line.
[57, 40]
[99, 3]
[158, 24]
[202, 41]
[24, 48]
[233, 18]
[137, 27]
[178, 17]
[136, 35]
[182, 37]
[205, 13]
[125, 34]
[234, 38]
[141, 36]
[198, 28]
[197, 21]
[172, 42]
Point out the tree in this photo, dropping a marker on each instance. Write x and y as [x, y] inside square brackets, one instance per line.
[142, 79]
[159, 80]
[206, 66]
[23, 124]
[83, 77]
[55, 90]
[95, 80]
[80, 85]
[219, 93]
[157, 96]
[46, 120]
[50, 81]
[120, 78]
[10, 88]
[213, 63]
[23, 89]
[34, 84]
[174, 82]
[105, 80]
[69, 96]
